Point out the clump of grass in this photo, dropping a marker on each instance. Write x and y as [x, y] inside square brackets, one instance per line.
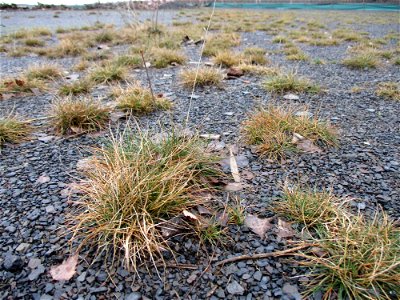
[66, 47]
[280, 39]
[74, 88]
[271, 130]
[13, 130]
[220, 42]
[227, 58]
[43, 72]
[108, 73]
[105, 36]
[81, 65]
[257, 70]
[290, 82]
[255, 55]
[139, 100]
[162, 58]
[366, 60]
[203, 77]
[134, 61]
[390, 90]
[356, 258]
[78, 115]
[309, 207]
[134, 187]
[32, 42]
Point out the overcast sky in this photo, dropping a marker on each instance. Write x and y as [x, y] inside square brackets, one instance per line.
[66, 2]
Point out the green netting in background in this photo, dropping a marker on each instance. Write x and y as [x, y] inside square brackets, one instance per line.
[347, 6]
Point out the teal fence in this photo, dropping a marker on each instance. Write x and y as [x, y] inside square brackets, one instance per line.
[352, 6]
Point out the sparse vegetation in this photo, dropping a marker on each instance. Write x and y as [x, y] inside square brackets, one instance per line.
[272, 130]
[69, 115]
[203, 77]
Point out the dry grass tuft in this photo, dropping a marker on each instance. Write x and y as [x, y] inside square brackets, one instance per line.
[255, 55]
[13, 130]
[75, 88]
[139, 100]
[220, 42]
[257, 70]
[20, 85]
[227, 58]
[134, 187]
[271, 130]
[366, 60]
[78, 115]
[290, 82]
[162, 58]
[354, 257]
[390, 90]
[43, 72]
[108, 73]
[205, 77]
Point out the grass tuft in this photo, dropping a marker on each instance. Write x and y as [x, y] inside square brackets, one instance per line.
[271, 130]
[139, 100]
[43, 72]
[290, 82]
[78, 115]
[205, 77]
[162, 58]
[75, 88]
[108, 73]
[135, 185]
[227, 58]
[367, 60]
[390, 90]
[13, 130]
[354, 257]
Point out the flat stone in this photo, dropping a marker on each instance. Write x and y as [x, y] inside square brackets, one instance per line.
[12, 263]
[34, 263]
[133, 296]
[257, 275]
[50, 209]
[234, 288]
[291, 97]
[22, 247]
[291, 290]
[36, 273]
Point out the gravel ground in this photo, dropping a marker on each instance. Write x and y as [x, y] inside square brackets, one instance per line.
[365, 167]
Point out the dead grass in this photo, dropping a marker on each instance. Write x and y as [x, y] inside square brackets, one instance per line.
[272, 130]
[354, 257]
[13, 130]
[204, 77]
[66, 47]
[32, 42]
[139, 100]
[44, 72]
[135, 186]
[258, 70]
[133, 61]
[69, 115]
[389, 90]
[290, 82]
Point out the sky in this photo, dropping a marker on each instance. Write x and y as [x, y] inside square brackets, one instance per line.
[66, 2]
